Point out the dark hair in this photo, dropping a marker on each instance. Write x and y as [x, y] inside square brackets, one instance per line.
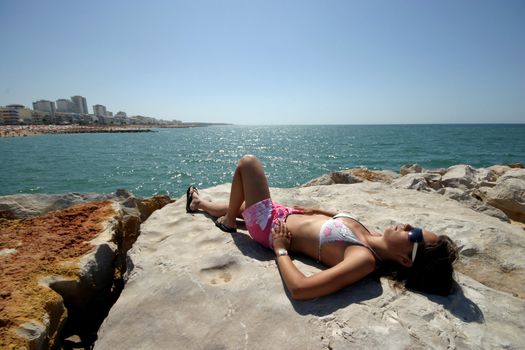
[432, 270]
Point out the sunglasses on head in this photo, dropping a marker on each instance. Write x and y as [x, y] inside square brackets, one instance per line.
[415, 235]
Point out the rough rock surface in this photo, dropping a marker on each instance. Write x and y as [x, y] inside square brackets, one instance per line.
[508, 194]
[25, 206]
[354, 175]
[193, 286]
[410, 168]
[498, 190]
[65, 258]
[45, 252]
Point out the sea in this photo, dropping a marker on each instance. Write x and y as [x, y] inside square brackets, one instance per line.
[166, 161]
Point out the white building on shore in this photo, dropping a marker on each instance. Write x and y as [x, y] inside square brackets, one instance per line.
[65, 106]
[99, 110]
[45, 106]
[80, 104]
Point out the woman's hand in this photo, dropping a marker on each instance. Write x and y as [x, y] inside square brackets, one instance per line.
[281, 237]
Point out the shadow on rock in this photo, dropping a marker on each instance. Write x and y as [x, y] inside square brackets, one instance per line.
[366, 289]
[459, 305]
[251, 248]
[245, 243]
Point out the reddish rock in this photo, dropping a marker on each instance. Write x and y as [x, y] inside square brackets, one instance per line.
[49, 245]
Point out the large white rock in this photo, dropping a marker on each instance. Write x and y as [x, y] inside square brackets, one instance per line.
[460, 176]
[509, 194]
[467, 200]
[419, 181]
[193, 286]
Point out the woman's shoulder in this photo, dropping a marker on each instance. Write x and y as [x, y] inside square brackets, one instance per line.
[360, 256]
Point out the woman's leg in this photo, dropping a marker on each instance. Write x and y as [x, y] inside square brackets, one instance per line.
[249, 186]
[216, 209]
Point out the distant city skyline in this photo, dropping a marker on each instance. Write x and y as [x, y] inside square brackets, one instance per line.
[271, 62]
[75, 104]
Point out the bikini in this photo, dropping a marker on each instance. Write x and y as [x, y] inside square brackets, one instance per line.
[336, 231]
[262, 216]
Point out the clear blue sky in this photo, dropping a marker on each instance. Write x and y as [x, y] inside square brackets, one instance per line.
[271, 62]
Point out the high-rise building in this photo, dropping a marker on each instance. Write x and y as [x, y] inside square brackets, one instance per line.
[80, 104]
[99, 110]
[45, 106]
[66, 106]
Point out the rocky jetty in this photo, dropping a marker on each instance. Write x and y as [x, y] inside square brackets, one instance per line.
[498, 190]
[194, 286]
[62, 258]
[176, 281]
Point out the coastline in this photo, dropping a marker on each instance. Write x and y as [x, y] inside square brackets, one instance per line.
[32, 130]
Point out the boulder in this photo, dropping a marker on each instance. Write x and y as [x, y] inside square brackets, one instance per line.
[25, 206]
[338, 177]
[509, 194]
[499, 169]
[471, 202]
[410, 169]
[52, 266]
[63, 268]
[354, 175]
[440, 171]
[485, 175]
[419, 181]
[194, 286]
[460, 176]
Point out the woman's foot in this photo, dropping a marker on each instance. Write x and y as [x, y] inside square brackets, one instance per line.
[226, 225]
[192, 199]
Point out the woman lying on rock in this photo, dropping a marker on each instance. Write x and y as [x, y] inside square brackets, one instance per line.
[416, 256]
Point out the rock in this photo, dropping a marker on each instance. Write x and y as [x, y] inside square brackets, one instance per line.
[70, 258]
[338, 177]
[440, 171]
[460, 176]
[410, 169]
[473, 203]
[419, 181]
[499, 169]
[148, 206]
[25, 206]
[509, 194]
[52, 255]
[516, 173]
[193, 286]
[485, 175]
[352, 176]
[413, 182]
[385, 176]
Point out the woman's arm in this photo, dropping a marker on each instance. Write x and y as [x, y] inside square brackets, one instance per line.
[354, 267]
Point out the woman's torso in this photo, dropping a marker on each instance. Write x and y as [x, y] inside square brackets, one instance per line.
[305, 231]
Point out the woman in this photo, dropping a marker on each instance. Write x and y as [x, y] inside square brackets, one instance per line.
[418, 257]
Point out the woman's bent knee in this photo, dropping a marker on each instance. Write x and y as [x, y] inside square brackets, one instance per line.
[248, 160]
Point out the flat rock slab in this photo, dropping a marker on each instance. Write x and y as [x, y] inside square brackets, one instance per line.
[193, 286]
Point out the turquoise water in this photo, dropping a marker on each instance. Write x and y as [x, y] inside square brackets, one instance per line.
[168, 160]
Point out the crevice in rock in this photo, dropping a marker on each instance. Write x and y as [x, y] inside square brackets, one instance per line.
[85, 317]
[87, 302]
